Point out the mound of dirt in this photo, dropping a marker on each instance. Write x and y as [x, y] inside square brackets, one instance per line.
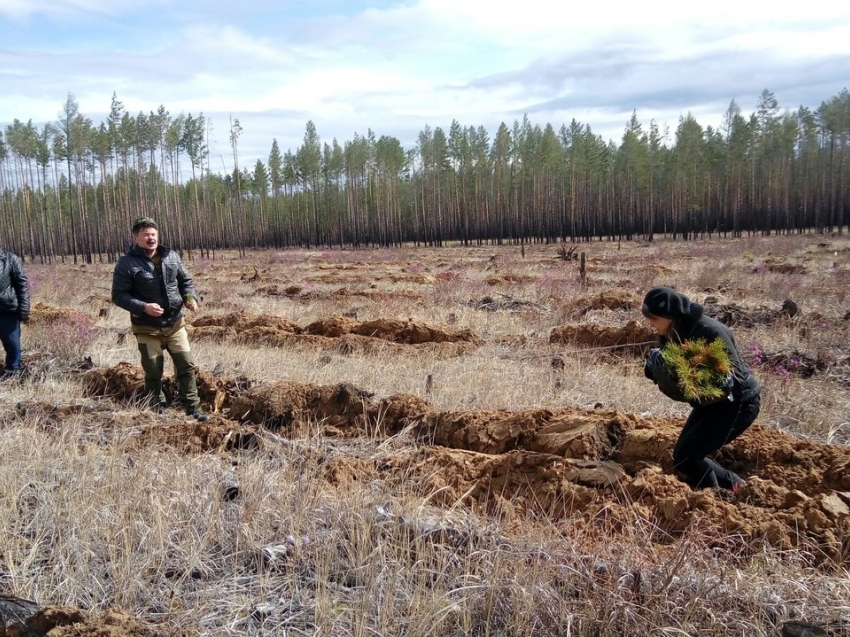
[781, 267]
[278, 290]
[372, 294]
[336, 277]
[570, 461]
[489, 304]
[340, 410]
[215, 333]
[416, 278]
[241, 321]
[795, 497]
[576, 461]
[213, 436]
[276, 331]
[291, 406]
[43, 313]
[241, 327]
[412, 332]
[126, 382]
[499, 279]
[332, 327]
[615, 299]
[567, 433]
[507, 485]
[595, 335]
[734, 315]
[25, 618]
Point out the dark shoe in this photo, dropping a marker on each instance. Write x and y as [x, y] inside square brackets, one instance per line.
[158, 409]
[197, 414]
[730, 495]
[724, 494]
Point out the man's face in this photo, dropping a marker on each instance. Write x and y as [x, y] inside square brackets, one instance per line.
[147, 239]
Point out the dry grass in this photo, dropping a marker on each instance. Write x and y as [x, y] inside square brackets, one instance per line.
[87, 523]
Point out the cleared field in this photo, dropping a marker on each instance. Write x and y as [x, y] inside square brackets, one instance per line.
[432, 442]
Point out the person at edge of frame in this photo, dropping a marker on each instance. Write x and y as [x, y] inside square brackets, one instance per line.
[14, 310]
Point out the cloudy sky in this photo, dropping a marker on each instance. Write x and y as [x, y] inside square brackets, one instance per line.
[396, 66]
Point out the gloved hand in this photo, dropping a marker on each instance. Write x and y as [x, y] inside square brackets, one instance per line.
[25, 317]
[652, 360]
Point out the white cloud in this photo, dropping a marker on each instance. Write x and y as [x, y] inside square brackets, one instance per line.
[395, 69]
[73, 9]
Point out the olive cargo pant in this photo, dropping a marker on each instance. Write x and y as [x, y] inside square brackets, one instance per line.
[153, 342]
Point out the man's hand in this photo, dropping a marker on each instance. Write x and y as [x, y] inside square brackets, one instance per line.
[192, 304]
[153, 309]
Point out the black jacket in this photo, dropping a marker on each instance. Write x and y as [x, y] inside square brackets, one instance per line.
[137, 281]
[689, 323]
[14, 287]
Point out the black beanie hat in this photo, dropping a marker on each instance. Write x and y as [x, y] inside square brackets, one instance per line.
[668, 303]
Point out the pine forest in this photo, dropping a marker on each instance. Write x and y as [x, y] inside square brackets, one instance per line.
[71, 187]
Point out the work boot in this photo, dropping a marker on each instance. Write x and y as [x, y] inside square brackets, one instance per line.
[10, 375]
[197, 414]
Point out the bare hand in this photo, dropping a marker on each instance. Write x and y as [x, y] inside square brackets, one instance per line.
[192, 305]
[153, 309]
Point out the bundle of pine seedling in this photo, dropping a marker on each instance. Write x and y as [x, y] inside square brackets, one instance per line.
[701, 370]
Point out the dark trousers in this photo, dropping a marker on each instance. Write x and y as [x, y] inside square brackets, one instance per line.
[706, 430]
[10, 336]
